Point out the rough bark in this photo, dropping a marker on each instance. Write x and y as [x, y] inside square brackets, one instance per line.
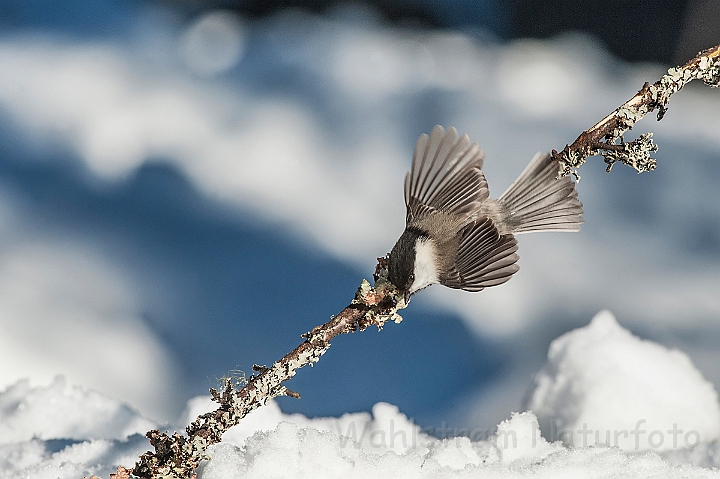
[177, 455]
[603, 137]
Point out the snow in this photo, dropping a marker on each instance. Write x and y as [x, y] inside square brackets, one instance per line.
[650, 397]
[67, 412]
[600, 374]
[63, 431]
[519, 439]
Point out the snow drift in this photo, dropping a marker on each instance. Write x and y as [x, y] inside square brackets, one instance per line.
[603, 385]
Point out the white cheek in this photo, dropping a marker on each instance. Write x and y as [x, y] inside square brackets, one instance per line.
[425, 265]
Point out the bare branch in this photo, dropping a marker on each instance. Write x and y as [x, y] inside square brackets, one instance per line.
[602, 137]
[178, 455]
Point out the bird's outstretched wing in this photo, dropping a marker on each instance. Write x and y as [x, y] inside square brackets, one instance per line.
[446, 175]
[485, 257]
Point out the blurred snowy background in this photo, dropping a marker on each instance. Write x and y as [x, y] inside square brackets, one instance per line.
[186, 187]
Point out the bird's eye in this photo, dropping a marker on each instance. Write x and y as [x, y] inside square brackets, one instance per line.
[411, 278]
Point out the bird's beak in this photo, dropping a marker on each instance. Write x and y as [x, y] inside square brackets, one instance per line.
[406, 296]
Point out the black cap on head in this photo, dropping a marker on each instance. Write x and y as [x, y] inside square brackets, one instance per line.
[401, 266]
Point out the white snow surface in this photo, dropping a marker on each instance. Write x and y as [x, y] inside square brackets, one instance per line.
[67, 412]
[650, 397]
[592, 375]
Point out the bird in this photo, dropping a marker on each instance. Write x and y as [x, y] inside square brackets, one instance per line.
[455, 234]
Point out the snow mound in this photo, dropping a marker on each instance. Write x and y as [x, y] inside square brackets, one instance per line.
[603, 385]
[519, 439]
[59, 411]
[62, 431]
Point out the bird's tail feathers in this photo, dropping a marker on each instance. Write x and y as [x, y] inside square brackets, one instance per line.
[539, 201]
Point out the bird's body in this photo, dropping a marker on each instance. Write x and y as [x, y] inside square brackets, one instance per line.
[455, 234]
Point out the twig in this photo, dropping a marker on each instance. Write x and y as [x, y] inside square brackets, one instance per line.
[178, 456]
[602, 138]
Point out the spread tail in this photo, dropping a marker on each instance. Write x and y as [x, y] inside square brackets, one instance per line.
[538, 201]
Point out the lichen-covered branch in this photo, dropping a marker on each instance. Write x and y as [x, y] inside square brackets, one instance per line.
[177, 455]
[603, 137]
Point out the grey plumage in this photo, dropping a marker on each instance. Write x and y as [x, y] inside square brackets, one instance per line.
[455, 234]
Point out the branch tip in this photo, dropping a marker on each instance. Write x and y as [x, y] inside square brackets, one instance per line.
[601, 138]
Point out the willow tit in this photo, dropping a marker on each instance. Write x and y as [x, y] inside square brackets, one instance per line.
[455, 234]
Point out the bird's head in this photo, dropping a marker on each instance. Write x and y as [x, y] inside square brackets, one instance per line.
[412, 264]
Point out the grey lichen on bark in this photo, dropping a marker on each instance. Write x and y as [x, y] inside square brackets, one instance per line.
[603, 137]
[177, 456]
